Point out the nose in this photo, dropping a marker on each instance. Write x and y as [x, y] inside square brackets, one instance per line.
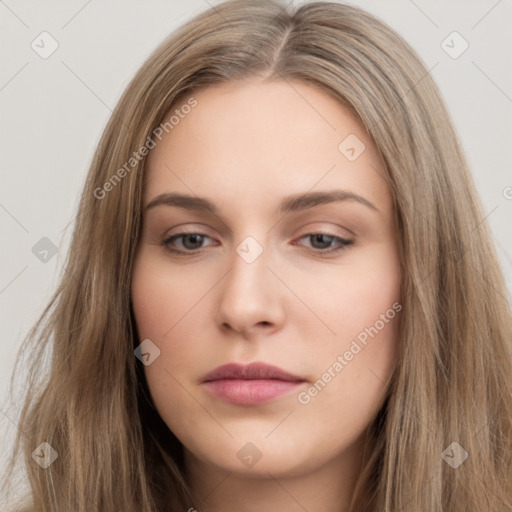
[251, 298]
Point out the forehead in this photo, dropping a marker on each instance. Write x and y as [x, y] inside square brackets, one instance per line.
[256, 141]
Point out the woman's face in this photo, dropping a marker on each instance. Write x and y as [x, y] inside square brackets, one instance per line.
[254, 281]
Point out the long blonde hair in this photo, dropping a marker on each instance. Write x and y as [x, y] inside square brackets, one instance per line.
[453, 378]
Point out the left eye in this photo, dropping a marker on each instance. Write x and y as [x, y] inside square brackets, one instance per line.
[324, 238]
[191, 242]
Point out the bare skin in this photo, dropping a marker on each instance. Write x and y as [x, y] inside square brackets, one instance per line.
[246, 147]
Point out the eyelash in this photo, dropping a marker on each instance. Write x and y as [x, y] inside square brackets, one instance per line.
[343, 243]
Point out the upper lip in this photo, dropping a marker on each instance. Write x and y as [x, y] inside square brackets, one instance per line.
[251, 371]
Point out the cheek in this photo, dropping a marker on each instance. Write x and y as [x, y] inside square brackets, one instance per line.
[353, 367]
[161, 295]
[166, 310]
[360, 297]
[352, 378]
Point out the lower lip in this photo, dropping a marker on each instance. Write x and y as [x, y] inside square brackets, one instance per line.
[250, 392]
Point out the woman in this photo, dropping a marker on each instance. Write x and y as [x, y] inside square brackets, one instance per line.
[280, 292]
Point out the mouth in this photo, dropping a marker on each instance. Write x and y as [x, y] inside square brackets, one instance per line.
[253, 384]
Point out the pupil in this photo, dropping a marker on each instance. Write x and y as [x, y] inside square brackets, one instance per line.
[196, 240]
[321, 236]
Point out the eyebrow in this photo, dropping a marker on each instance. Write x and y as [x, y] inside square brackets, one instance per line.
[294, 203]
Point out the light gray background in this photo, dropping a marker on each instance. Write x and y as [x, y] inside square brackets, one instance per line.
[54, 109]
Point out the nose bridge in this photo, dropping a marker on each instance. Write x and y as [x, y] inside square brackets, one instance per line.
[249, 272]
[250, 294]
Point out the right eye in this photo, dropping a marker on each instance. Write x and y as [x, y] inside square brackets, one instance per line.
[190, 242]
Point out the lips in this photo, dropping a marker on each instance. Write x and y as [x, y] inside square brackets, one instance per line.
[253, 371]
[252, 384]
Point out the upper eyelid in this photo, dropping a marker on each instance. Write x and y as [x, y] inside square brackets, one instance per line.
[202, 233]
[324, 217]
[201, 230]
